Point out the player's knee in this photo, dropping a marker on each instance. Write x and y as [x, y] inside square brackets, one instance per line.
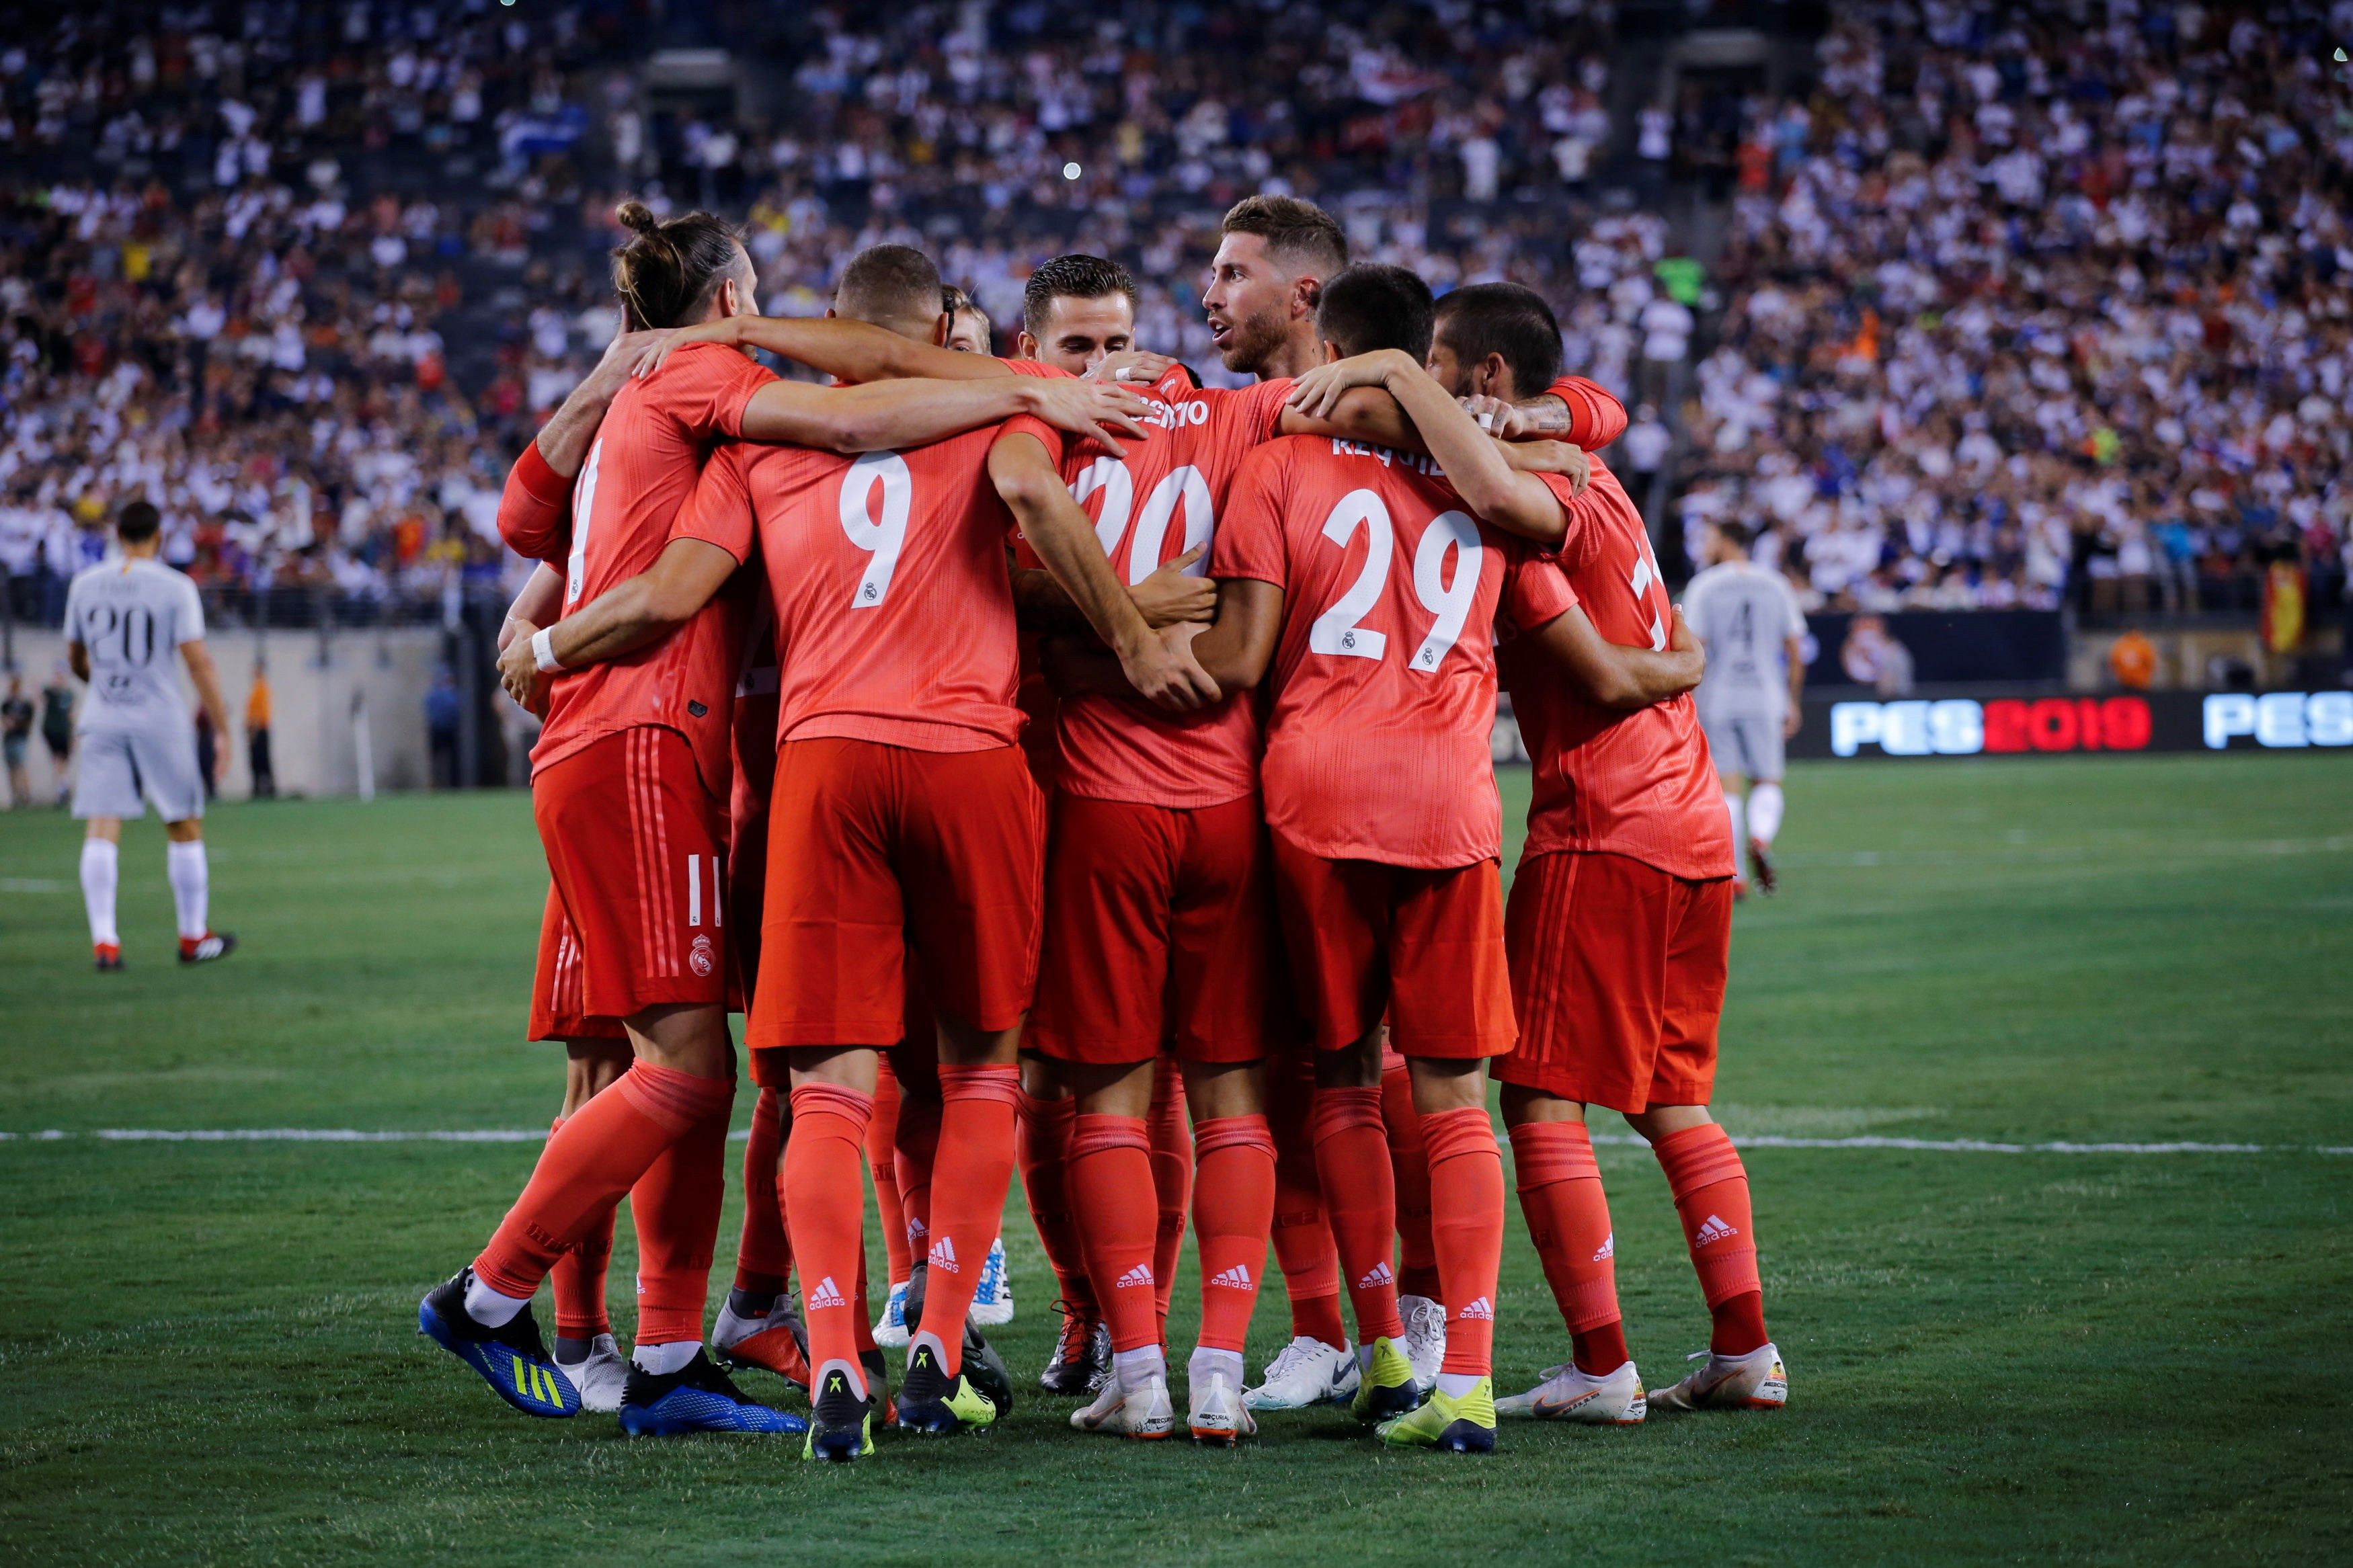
[691, 1038]
[1215, 1089]
[1354, 1066]
[1440, 1085]
[1522, 1103]
[187, 831]
[1666, 1120]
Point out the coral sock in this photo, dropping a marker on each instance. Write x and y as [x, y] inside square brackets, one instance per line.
[579, 1277]
[973, 1170]
[1302, 1241]
[1172, 1177]
[882, 1159]
[1044, 1149]
[675, 1206]
[1110, 1194]
[913, 1149]
[1232, 1212]
[1352, 1165]
[1711, 1188]
[1466, 1227]
[600, 1153]
[1569, 1219]
[764, 1258]
[826, 1211]
[1410, 1164]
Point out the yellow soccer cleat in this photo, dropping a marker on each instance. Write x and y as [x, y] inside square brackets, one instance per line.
[1388, 1388]
[1460, 1425]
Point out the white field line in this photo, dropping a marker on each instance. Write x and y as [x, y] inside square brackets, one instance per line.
[1619, 1140]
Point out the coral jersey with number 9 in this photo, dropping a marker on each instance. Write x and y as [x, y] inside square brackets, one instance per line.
[889, 576]
[1378, 746]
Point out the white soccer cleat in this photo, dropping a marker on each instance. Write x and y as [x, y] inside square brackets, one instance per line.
[1304, 1373]
[602, 1376]
[1424, 1337]
[891, 1330]
[1568, 1395]
[992, 1303]
[1142, 1410]
[1219, 1416]
[1752, 1382]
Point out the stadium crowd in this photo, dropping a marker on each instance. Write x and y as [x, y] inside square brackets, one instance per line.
[2022, 312]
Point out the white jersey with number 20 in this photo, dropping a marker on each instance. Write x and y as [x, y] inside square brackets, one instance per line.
[133, 615]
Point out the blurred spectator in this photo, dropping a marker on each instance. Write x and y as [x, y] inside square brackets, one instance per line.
[441, 722]
[256, 734]
[2132, 660]
[1872, 656]
[57, 725]
[16, 739]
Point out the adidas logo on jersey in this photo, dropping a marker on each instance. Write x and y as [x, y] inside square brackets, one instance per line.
[1377, 1275]
[1714, 1230]
[1608, 1249]
[1136, 1278]
[826, 1294]
[1238, 1278]
[942, 1255]
[1482, 1308]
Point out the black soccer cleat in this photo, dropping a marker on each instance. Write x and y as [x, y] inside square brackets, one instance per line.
[1076, 1363]
[934, 1404]
[209, 948]
[697, 1397]
[1760, 868]
[841, 1425]
[983, 1367]
[511, 1358]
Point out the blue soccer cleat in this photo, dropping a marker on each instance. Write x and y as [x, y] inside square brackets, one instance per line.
[992, 1302]
[511, 1358]
[697, 1397]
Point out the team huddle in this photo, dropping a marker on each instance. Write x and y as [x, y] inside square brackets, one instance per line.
[1050, 755]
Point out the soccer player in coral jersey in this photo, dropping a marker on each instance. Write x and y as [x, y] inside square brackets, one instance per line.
[1621, 919]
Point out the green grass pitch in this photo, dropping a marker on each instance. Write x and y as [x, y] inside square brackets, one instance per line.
[210, 1349]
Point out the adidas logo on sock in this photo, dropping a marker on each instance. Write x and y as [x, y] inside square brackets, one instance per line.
[915, 1229]
[1608, 1249]
[1136, 1278]
[826, 1294]
[1377, 1275]
[1482, 1308]
[1714, 1230]
[943, 1256]
[1238, 1278]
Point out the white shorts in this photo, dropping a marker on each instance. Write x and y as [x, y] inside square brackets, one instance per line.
[118, 766]
[1747, 744]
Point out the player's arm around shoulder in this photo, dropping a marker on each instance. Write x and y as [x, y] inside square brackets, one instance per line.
[1607, 674]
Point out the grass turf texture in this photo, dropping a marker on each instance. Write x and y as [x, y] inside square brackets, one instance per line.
[211, 1352]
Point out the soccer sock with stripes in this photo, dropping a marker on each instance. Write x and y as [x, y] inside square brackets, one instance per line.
[1302, 1241]
[1466, 1228]
[578, 1282]
[102, 861]
[825, 1210]
[1352, 1166]
[1567, 1215]
[764, 1258]
[1233, 1210]
[1711, 1188]
[1043, 1150]
[1410, 1164]
[599, 1153]
[185, 867]
[675, 1206]
[1764, 812]
[971, 1174]
[882, 1159]
[1172, 1177]
[914, 1147]
[1112, 1197]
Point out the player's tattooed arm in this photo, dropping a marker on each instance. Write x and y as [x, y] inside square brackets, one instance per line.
[628, 616]
[1616, 676]
[1156, 662]
[853, 351]
[886, 416]
[1368, 413]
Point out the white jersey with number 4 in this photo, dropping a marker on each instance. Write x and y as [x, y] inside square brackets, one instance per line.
[1743, 613]
[133, 615]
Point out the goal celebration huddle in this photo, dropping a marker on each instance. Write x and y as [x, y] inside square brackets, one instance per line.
[1068, 768]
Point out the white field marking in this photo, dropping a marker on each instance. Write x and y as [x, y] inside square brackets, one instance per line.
[31, 884]
[2058, 853]
[1615, 1140]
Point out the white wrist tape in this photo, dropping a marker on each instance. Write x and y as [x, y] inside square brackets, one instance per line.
[543, 652]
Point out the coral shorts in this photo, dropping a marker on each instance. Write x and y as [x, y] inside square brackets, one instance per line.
[1617, 969]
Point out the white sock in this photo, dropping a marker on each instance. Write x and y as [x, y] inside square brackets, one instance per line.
[491, 1309]
[1765, 813]
[1207, 1363]
[1136, 1366]
[191, 885]
[1455, 1384]
[99, 861]
[661, 1361]
[1739, 827]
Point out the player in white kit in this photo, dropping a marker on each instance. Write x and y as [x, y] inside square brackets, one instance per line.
[1748, 619]
[128, 620]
